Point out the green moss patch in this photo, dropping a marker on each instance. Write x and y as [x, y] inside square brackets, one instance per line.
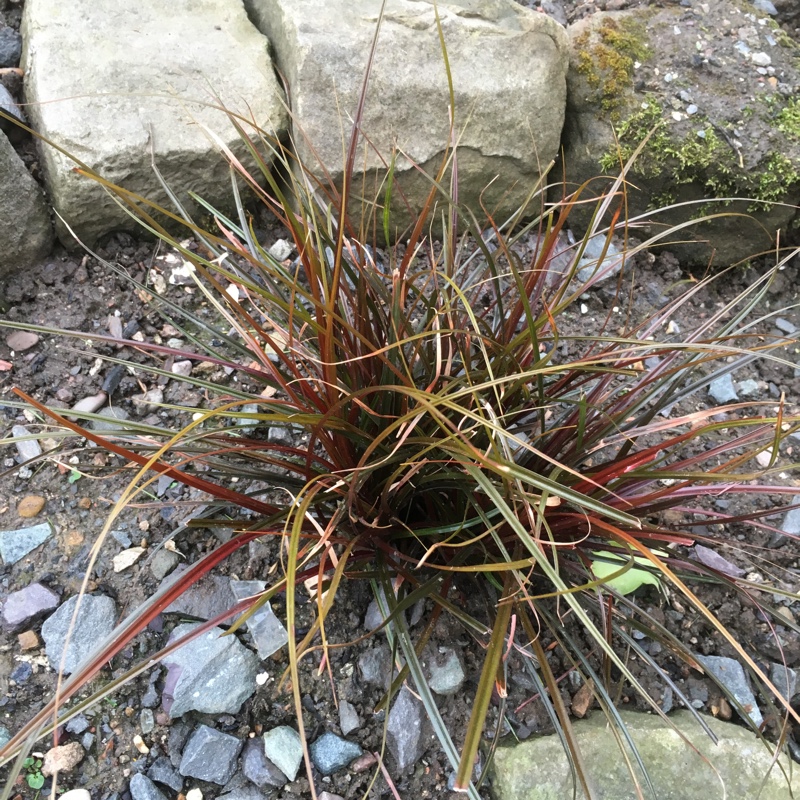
[607, 59]
[707, 159]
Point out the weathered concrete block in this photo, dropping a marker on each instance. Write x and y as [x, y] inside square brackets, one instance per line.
[508, 67]
[113, 82]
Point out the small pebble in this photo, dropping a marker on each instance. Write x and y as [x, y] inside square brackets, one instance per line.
[19, 341]
[75, 794]
[28, 640]
[62, 759]
[27, 449]
[127, 558]
[30, 506]
[88, 405]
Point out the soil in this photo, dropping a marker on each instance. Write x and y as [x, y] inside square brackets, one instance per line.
[80, 484]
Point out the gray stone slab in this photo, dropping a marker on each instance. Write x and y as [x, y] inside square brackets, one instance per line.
[784, 679]
[507, 62]
[95, 620]
[213, 674]
[27, 448]
[16, 544]
[210, 755]
[207, 598]
[537, 769]
[151, 84]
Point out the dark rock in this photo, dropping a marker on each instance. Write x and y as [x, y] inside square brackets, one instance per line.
[142, 788]
[375, 666]
[348, 717]
[10, 47]
[21, 673]
[162, 771]
[331, 753]
[94, 622]
[404, 729]
[27, 605]
[78, 724]
[210, 755]
[258, 769]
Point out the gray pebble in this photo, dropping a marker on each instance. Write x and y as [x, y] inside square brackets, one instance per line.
[331, 753]
[268, 632]
[348, 717]
[258, 769]
[27, 449]
[748, 388]
[722, 390]
[10, 47]
[766, 6]
[142, 788]
[210, 755]
[785, 326]
[161, 771]
[28, 604]
[146, 721]
[404, 729]
[785, 680]
[282, 746]
[446, 672]
[730, 674]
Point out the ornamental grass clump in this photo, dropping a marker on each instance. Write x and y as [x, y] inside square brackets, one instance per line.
[438, 426]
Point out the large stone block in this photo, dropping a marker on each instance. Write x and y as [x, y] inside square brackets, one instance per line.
[721, 124]
[508, 68]
[738, 766]
[115, 84]
[25, 231]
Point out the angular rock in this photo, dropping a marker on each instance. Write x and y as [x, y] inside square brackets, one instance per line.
[239, 788]
[193, 58]
[142, 788]
[445, 671]
[258, 769]
[785, 680]
[213, 674]
[10, 47]
[112, 417]
[210, 755]
[21, 341]
[95, 621]
[16, 544]
[27, 448]
[26, 235]
[268, 632]
[5, 736]
[404, 729]
[375, 666]
[348, 717]
[206, 599]
[161, 771]
[537, 769]
[331, 753]
[730, 674]
[507, 62]
[163, 562]
[282, 746]
[624, 70]
[27, 605]
[9, 106]
[722, 390]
